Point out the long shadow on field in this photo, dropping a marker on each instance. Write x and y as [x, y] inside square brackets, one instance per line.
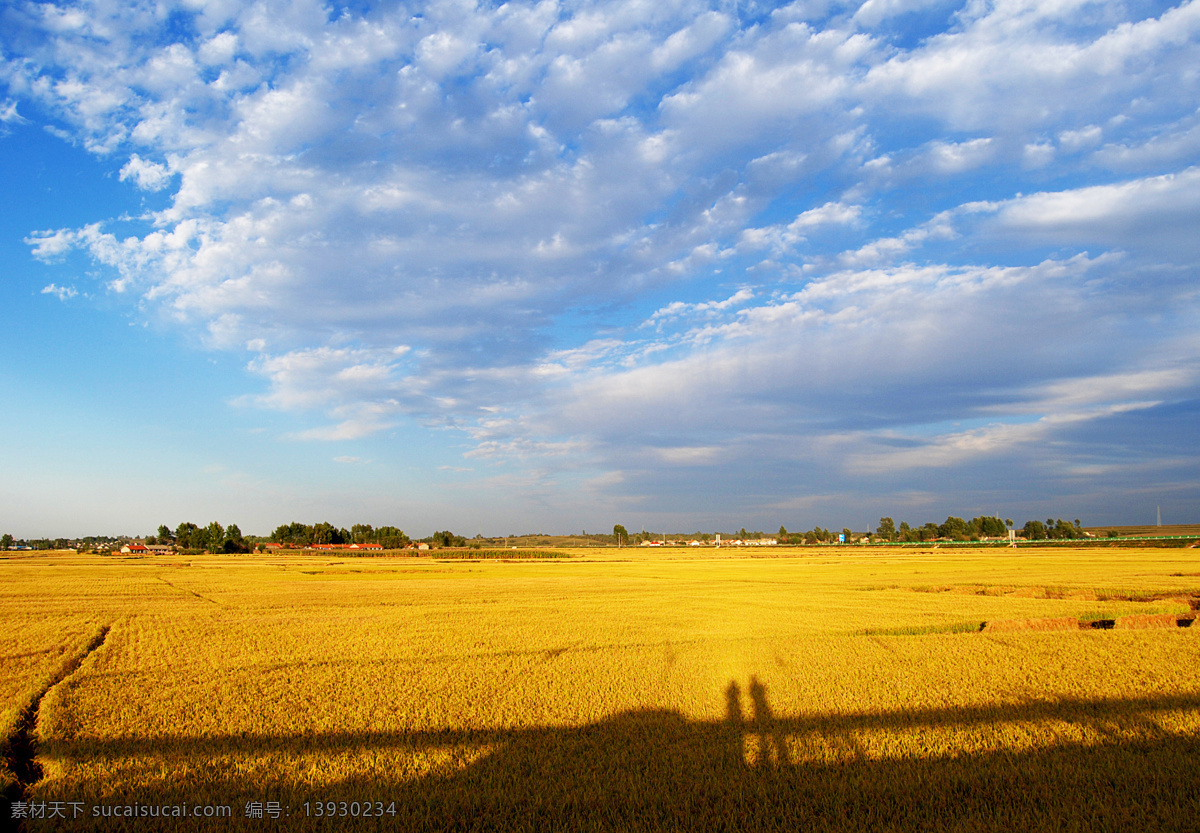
[1114, 767]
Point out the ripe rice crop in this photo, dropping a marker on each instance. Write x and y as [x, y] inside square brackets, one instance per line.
[621, 690]
[502, 554]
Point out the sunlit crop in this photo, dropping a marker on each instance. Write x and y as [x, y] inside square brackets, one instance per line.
[839, 689]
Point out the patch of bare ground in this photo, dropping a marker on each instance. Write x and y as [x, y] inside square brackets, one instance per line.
[1061, 623]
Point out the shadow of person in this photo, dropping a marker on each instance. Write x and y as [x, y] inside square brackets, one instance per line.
[734, 748]
[733, 705]
[771, 744]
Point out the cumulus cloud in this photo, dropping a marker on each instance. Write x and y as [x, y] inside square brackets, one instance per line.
[51, 245]
[149, 176]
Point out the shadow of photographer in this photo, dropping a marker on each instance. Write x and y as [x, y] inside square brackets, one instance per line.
[654, 769]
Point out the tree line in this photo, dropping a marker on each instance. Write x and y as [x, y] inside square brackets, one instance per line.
[305, 535]
[217, 538]
[211, 538]
[229, 539]
[984, 526]
[953, 528]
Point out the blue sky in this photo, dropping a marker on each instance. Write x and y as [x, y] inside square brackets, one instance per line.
[559, 265]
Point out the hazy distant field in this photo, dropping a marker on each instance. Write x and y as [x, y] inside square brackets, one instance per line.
[616, 690]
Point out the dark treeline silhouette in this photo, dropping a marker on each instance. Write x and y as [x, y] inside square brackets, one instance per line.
[303, 535]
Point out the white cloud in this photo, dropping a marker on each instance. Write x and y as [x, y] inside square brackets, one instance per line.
[1153, 213]
[63, 293]
[9, 114]
[873, 12]
[219, 49]
[354, 428]
[1013, 64]
[957, 157]
[889, 249]
[51, 245]
[947, 450]
[691, 455]
[1073, 141]
[831, 213]
[149, 176]
[677, 309]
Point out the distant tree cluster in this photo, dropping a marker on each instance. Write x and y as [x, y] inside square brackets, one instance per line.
[211, 538]
[1052, 529]
[955, 529]
[816, 535]
[388, 537]
[7, 541]
[446, 538]
[984, 526]
[819, 535]
[306, 535]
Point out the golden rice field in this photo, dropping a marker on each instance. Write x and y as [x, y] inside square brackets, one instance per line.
[823, 689]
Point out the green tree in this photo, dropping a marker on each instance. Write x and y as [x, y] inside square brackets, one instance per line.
[6, 541]
[188, 537]
[324, 533]
[446, 538]
[929, 532]
[1063, 530]
[214, 537]
[294, 533]
[986, 526]
[391, 538]
[164, 534]
[234, 542]
[1034, 531]
[621, 534]
[887, 529]
[817, 535]
[955, 528]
